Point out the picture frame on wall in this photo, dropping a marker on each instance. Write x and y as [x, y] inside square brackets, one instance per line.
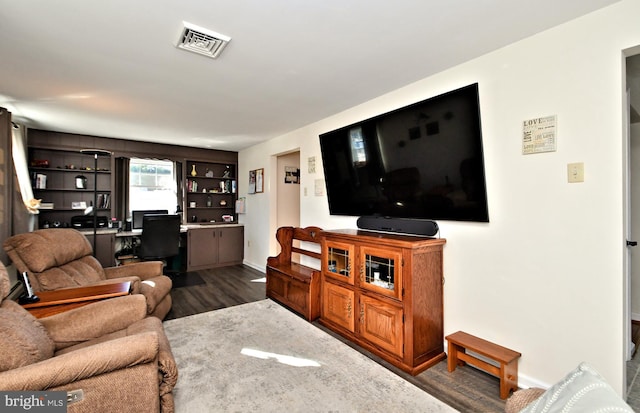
[291, 175]
[252, 182]
[259, 180]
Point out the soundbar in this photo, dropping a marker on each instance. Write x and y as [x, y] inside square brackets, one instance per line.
[423, 227]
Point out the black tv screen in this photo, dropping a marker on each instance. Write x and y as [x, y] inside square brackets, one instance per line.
[421, 161]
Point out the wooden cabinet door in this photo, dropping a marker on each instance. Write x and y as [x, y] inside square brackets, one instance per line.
[338, 305]
[202, 248]
[380, 270]
[337, 262]
[230, 245]
[381, 324]
[105, 248]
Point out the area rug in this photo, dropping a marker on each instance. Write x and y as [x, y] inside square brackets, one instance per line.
[261, 357]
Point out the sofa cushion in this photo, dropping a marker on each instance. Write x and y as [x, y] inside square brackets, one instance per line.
[83, 271]
[43, 249]
[582, 390]
[23, 339]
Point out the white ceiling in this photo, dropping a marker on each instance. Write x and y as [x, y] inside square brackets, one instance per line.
[111, 68]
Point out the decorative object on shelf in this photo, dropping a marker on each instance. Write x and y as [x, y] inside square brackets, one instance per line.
[227, 218]
[40, 163]
[222, 203]
[227, 172]
[193, 170]
[192, 204]
[194, 218]
[208, 201]
[222, 186]
[81, 182]
[209, 173]
[79, 205]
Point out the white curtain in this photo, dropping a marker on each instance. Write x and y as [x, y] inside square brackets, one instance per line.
[19, 154]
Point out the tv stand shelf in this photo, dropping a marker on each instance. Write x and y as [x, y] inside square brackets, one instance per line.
[384, 293]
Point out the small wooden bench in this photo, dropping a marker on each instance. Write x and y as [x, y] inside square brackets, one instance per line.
[507, 371]
[292, 284]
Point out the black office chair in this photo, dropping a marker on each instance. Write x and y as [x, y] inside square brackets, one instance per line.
[160, 238]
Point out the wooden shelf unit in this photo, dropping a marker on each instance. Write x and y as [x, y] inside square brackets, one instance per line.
[384, 293]
[60, 189]
[213, 191]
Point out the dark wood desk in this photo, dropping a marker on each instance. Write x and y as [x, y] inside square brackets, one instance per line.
[59, 301]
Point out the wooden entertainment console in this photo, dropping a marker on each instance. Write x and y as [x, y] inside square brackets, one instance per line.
[384, 293]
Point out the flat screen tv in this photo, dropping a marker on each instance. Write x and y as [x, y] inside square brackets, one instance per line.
[422, 161]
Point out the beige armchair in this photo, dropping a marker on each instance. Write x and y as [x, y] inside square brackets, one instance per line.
[59, 258]
[110, 354]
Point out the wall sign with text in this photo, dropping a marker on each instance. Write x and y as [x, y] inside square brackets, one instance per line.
[539, 135]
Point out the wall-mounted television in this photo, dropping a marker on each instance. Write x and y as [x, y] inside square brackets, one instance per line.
[422, 161]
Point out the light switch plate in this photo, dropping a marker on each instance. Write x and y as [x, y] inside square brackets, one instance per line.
[575, 172]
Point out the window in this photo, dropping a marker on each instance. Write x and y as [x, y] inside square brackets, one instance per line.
[152, 185]
[358, 151]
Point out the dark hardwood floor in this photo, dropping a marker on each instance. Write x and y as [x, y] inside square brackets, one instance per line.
[466, 389]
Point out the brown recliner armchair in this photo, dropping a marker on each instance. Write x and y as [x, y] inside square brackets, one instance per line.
[110, 354]
[59, 258]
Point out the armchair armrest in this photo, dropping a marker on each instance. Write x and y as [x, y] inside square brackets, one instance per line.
[95, 320]
[83, 363]
[143, 270]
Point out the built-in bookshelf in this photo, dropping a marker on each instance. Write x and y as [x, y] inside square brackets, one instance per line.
[64, 181]
[211, 191]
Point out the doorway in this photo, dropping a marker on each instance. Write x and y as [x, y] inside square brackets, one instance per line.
[632, 219]
[288, 190]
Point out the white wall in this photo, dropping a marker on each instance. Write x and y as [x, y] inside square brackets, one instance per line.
[545, 276]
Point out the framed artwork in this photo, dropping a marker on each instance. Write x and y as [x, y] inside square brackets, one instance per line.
[291, 175]
[252, 182]
[259, 180]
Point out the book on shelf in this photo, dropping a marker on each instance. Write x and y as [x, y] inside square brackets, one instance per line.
[41, 181]
[103, 201]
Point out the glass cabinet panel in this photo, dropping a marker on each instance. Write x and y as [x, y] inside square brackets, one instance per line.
[381, 271]
[338, 261]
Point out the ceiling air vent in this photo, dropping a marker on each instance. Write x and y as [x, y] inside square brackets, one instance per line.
[202, 41]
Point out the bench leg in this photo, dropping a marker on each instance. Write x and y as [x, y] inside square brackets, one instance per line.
[508, 378]
[452, 356]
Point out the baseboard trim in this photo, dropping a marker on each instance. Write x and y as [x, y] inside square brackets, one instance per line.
[262, 268]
